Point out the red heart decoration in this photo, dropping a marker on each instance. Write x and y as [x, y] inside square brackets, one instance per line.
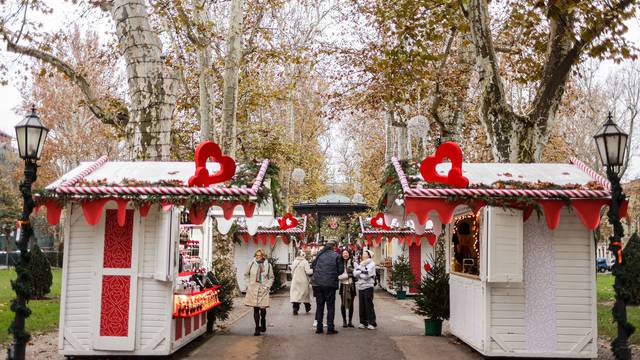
[378, 222]
[427, 267]
[287, 222]
[448, 150]
[204, 151]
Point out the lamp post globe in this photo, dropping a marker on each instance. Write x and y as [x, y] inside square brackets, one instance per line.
[31, 135]
[298, 175]
[611, 143]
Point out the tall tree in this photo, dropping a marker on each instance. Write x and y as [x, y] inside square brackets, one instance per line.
[553, 36]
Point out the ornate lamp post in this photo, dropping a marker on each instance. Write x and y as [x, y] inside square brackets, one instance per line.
[31, 135]
[611, 143]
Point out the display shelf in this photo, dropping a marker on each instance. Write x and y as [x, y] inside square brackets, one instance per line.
[208, 298]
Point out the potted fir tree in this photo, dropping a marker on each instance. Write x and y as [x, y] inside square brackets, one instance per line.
[432, 300]
[401, 276]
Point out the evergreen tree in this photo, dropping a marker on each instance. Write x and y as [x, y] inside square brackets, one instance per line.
[432, 300]
[630, 270]
[402, 275]
[40, 270]
[277, 279]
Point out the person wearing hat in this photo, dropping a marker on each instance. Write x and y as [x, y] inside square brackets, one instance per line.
[365, 274]
[327, 266]
[259, 278]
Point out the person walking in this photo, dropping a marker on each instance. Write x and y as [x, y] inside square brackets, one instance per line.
[259, 278]
[365, 273]
[327, 266]
[347, 288]
[299, 293]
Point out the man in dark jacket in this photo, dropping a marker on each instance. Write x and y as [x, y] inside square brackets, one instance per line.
[326, 268]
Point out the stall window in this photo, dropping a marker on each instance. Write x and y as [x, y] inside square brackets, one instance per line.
[465, 245]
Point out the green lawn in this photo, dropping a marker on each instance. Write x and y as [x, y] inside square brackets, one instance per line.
[606, 327]
[45, 313]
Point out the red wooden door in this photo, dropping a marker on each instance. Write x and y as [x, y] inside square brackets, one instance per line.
[117, 283]
[415, 261]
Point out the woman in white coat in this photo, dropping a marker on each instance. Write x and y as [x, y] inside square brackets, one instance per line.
[259, 278]
[300, 272]
[365, 274]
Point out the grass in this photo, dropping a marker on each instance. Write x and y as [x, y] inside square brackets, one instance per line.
[606, 296]
[44, 313]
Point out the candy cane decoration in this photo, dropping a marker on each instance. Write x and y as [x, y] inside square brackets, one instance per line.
[401, 175]
[258, 181]
[594, 174]
[540, 194]
[91, 168]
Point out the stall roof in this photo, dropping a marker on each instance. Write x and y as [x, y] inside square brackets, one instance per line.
[274, 228]
[573, 180]
[394, 229]
[113, 178]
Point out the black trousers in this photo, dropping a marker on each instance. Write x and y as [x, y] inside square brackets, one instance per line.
[343, 306]
[367, 311]
[260, 317]
[296, 306]
[325, 295]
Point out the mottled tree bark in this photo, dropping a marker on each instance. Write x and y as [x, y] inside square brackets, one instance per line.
[231, 75]
[152, 85]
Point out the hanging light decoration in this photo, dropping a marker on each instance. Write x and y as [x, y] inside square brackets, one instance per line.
[298, 175]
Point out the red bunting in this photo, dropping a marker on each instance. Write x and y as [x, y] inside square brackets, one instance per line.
[526, 213]
[401, 239]
[54, 210]
[378, 240]
[166, 206]
[431, 237]
[418, 240]
[272, 240]
[92, 210]
[227, 209]
[144, 209]
[588, 211]
[197, 213]
[249, 208]
[427, 267]
[122, 210]
[421, 207]
[245, 237]
[552, 211]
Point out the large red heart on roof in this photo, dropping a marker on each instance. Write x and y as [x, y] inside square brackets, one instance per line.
[204, 151]
[378, 222]
[287, 222]
[448, 150]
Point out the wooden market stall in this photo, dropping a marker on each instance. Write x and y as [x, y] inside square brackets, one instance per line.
[280, 241]
[137, 250]
[520, 249]
[389, 242]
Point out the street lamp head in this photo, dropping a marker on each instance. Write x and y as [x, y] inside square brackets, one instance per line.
[31, 135]
[611, 143]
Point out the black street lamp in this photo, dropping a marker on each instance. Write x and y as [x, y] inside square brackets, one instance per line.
[611, 143]
[31, 135]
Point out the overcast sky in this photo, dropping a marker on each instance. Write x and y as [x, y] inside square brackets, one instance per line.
[66, 15]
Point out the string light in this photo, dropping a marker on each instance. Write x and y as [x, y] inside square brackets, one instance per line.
[474, 222]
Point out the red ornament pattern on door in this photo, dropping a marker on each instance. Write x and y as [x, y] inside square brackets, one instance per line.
[415, 261]
[114, 318]
[116, 289]
[117, 241]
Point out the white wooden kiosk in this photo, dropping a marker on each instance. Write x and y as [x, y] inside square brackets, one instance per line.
[393, 241]
[278, 243]
[526, 285]
[122, 293]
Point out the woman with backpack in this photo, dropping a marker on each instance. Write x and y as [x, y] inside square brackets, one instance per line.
[259, 278]
[365, 274]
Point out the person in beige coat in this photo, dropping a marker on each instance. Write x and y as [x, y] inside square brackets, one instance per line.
[300, 272]
[259, 278]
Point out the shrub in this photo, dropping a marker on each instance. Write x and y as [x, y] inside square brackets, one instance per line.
[277, 279]
[227, 282]
[41, 276]
[432, 299]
